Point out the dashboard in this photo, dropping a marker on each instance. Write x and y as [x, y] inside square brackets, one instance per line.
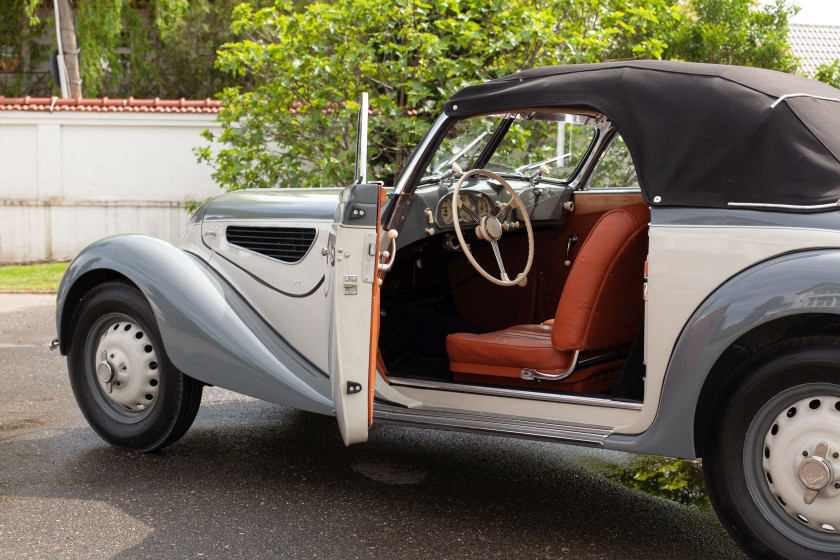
[543, 202]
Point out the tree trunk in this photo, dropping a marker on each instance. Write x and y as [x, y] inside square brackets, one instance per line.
[70, 46]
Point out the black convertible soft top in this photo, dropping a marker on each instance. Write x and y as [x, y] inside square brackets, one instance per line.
[702, 135]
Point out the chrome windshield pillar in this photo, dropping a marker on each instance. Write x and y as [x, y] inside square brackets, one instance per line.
[411, 167]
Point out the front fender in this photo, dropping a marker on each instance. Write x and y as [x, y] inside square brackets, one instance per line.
[208, 329]
[781, 287]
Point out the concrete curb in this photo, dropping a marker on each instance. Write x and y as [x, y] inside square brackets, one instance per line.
[28, 291]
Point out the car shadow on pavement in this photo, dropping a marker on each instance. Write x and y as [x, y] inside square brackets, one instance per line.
[254, 480]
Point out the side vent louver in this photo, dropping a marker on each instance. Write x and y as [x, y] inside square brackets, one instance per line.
[286, 244]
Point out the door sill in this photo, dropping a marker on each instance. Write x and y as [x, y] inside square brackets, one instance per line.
[512, 393]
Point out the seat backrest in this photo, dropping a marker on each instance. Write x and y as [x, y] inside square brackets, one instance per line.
[602, 303]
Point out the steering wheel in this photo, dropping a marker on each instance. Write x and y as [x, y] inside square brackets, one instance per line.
[491, 228]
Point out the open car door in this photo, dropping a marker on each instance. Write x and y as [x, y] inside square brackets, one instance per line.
[355, 310]
[354, 332]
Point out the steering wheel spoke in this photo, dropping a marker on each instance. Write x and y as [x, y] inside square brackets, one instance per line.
[491, 228]
[503, 212]
[499, 260]
[468, 211]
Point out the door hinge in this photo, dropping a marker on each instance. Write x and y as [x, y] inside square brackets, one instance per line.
[351, 285]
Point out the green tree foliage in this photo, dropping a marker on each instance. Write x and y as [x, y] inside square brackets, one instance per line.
[163, 48]
[154, 48]
[296, 127]
[734, 32]
[21, 53]
[829, 73]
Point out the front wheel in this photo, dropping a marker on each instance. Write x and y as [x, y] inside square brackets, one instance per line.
[127, 389]
[772, 453]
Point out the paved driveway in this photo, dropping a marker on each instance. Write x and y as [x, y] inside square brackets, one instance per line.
[256, 480]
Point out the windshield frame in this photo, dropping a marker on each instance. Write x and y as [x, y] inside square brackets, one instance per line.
[493, 142]
[414, 171]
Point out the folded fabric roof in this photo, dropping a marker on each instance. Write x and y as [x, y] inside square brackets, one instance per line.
[702, 135]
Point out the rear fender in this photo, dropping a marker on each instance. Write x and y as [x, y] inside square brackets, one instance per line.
[803, 284]
[209, 331]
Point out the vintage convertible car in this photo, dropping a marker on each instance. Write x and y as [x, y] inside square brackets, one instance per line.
[639, 256]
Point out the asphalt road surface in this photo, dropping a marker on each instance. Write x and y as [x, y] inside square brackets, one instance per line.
[256, 480]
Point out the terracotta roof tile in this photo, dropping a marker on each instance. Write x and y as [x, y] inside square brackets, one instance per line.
[105, 104]
[814, 45]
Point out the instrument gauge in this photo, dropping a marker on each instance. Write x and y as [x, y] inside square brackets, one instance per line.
[446, 210]
[466, 201]
[484, 206]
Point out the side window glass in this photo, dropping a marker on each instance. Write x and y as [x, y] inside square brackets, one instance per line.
[616, 169]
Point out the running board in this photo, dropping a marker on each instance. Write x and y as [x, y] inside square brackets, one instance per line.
[593, 436]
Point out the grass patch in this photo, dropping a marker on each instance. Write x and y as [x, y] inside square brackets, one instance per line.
[32, 276]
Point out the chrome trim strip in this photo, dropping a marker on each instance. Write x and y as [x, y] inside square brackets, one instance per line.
[787, 206]
[607, 190]
[512, 393]
[737, 226]
[789, 95]
[509, 426]
[418, 153]
[361, 142]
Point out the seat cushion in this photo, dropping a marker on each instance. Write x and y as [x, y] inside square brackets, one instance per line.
[506, 352]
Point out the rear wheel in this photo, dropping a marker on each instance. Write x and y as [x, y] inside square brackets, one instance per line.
[123, 381]
[772, 455]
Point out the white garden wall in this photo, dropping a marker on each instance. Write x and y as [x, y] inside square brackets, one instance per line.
[70, 178]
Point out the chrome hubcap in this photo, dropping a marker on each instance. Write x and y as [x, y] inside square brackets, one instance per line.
[815, 473]
[105, 371]
[127, 366]
[801, 449]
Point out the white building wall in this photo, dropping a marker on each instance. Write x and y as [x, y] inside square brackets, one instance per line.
[70, 178]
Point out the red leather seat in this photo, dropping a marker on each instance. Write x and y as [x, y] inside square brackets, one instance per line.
[601, 307]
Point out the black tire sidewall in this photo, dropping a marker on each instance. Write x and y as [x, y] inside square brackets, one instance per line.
[152, 431]
[788, 367]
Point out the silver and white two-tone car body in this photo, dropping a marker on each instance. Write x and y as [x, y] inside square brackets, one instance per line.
[675, 233]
